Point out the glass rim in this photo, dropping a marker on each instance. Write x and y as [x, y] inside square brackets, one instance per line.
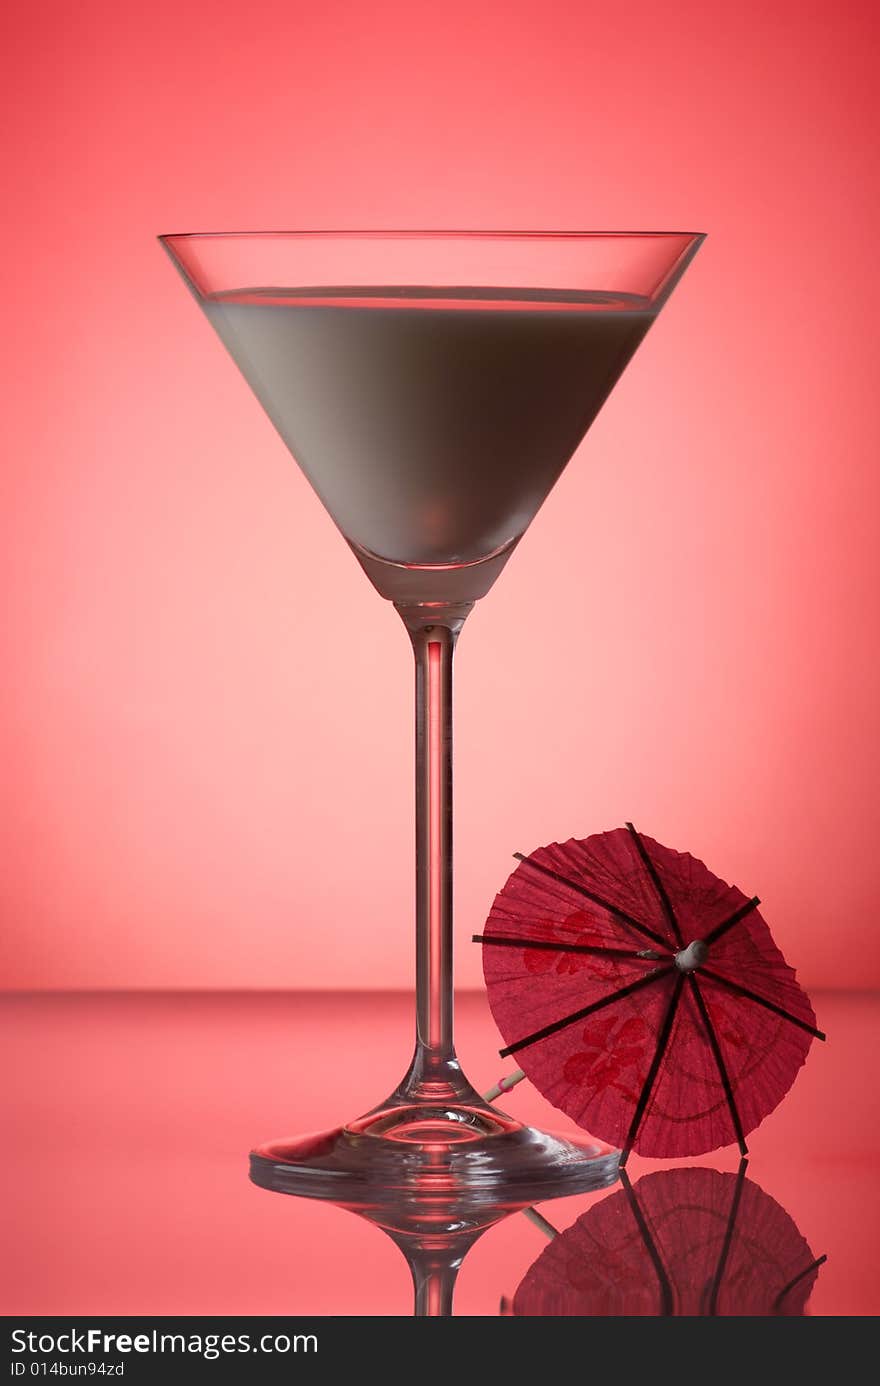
[404, 234]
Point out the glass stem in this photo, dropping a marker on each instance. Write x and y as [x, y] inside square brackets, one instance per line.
[434, 1075]
[434, 1263]
[434, 1287]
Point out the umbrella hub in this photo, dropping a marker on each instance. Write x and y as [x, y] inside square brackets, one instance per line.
[692, 957]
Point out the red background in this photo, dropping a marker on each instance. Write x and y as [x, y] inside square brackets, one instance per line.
[206, 752]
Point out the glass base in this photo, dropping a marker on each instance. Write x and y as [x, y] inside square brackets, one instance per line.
[464, 1154]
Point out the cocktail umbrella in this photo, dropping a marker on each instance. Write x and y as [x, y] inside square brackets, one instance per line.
[642, 995]
[688, 1242]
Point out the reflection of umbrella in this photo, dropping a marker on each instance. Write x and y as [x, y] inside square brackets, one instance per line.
[642, 995]
[689, 1242]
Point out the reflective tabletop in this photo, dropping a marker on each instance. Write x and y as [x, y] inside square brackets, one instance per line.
[129, 1117]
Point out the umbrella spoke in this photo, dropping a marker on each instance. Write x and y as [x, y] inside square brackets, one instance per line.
[503, 941]
[737, 915]
[658, 885]
[572, 1019]
[662, 1045]
[719, 1063]
[813, 1266]
[596, 899]
[667, 1303]
[728, 1240]
[713, 976]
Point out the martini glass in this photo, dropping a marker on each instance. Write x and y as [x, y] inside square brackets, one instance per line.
[432, 386]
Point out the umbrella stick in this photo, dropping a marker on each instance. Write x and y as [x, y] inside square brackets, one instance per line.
[658, 885]
[504, 1084]
[503, 941]
[719, 1063]
[546, 1227]
[735, 918]
[572, 1019]
[762, 1001]
[662, 1043]
[667, 1303]
[715, 1288]
[596, 899]
[531, 1213]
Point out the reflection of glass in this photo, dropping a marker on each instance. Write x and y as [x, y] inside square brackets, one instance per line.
[434, 1230]
[682, 1242]
[432, 388]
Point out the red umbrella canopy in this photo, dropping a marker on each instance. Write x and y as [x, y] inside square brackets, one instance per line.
[642, 995]
[688, 1242]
